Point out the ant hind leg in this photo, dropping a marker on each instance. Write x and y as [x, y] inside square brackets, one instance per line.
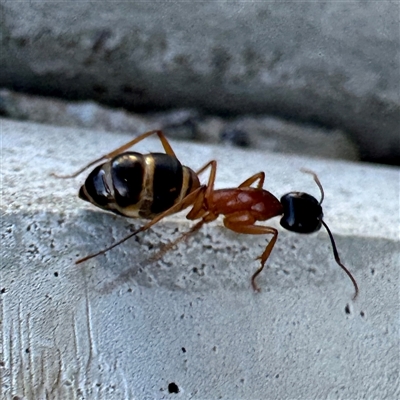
[248, 182]
[164, 141]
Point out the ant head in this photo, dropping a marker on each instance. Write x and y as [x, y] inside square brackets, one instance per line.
[302, 213]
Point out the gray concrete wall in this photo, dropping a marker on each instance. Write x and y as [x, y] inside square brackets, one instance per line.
[333, 63]
[120, 327]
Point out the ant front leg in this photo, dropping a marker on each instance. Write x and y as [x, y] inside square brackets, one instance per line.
[121, 149]
[243, 222]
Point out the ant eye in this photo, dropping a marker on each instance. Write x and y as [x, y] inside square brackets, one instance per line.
[302, 213]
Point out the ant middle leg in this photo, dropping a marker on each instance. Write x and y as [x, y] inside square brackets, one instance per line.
[243, 222]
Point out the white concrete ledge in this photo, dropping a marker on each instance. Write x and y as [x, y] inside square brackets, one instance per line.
[119, 327]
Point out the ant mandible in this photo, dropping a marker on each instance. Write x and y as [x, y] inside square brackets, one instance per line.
[156, 185]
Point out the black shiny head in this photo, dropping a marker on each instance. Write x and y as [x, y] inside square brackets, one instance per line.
[302, 213]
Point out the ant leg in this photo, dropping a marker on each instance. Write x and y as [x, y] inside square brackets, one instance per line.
[248, 182]
[167, 147]
[212, 164]
[206, 219]
[200, 206]
[211, 181]
[213, 171]
[186, 202]
[244, 223]
[265, 255]
[121, 149]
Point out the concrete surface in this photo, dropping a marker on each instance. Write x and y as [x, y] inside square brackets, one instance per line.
[189, 326]
[335, 63]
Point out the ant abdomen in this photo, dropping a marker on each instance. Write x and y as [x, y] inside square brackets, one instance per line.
[139, 185]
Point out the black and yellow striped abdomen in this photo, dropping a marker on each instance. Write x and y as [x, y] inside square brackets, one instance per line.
[139, 185]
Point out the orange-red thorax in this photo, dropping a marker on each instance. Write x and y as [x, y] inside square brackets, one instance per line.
[260, 203]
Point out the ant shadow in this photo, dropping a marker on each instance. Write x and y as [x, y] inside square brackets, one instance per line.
[201, 262]
[130, 263]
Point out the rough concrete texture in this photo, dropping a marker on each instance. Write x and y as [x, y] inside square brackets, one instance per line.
[121, 327]
[334, 63]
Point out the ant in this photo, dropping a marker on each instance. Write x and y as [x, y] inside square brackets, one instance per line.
[156, 185]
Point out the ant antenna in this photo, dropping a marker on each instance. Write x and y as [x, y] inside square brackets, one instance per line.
[338, 261]
[334, 248]
[316, 180]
